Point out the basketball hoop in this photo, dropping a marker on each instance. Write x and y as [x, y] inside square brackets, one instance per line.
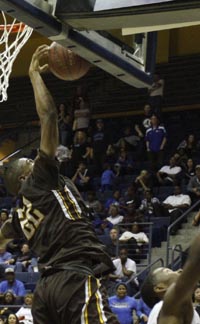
[10, 49]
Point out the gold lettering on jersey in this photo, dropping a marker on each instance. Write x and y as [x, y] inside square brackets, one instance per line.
[30, 218]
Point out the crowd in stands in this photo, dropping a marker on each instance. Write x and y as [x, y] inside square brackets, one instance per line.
[128, 179]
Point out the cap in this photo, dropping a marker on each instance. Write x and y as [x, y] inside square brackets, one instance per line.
[121, 283]
[9, 270]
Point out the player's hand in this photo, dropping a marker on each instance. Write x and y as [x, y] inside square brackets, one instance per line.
[40, 54]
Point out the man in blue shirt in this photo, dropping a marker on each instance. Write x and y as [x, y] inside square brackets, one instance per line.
[156, 139]
[12, 284]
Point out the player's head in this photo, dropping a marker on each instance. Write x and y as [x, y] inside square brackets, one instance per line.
[15, 173]
[156, 284]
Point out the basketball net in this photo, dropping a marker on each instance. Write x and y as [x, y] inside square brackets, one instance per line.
[10, 49]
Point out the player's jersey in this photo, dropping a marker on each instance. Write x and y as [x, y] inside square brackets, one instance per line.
[53, 218]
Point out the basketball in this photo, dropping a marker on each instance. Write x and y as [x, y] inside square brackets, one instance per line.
[65, 64]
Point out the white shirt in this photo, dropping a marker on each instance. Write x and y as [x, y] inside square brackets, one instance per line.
[115, 220]
[26, 312]
[153, 316]
[130, 265]
[176, 200]
[157, 91]
[170, 170]
[140, 237]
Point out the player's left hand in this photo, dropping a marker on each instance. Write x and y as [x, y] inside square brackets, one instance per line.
[40, 53]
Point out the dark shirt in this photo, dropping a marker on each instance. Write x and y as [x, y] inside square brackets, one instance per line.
[54, 218]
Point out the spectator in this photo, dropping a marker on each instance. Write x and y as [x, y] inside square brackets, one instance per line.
[115, 199]
[8, 302]
[128, 141]
[189, 170]
[123, 306]
[193, 186]
[156, 138]
[5, 257]
[4, 215]
[175, 205]
[114, 216]
[131, 194]
[145, 123]
[81, 115]
[144, 181]
[82, 178]
[100, 142]
[169, 174]
[196, 299]
[81, 149]
[94, 205]
[145, 310]
[24, 313]
[136, 233]
[156, 94]
[112, 246]
[10, 283]
[12, 319]
[131, 214]
[150, 206]
[125, 162]
[188, 147]
[2, 319]
[23, 260]
[125, 271]
[107, 178]
[64, 127]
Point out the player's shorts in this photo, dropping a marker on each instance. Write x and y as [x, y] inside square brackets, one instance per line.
[68, 297]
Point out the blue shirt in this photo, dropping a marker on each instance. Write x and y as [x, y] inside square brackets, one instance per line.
[17, 287]
[155, 137]
[107, 177]
[123, 308]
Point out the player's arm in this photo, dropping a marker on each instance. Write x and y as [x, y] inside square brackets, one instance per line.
[45, 105]
[182, 290]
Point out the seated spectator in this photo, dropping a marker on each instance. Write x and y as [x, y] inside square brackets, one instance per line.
[14, 246]
[12, 284]
[24, 313]
[175, 205]
[2, 319]
[82, 178]
[107, 178]
[115, 199]
[4, 215]
[12, 319]
[150, 206]
[136, 233]
[111, 155]
[131, 194]
[131, 214]
[125, 271]
[144, 181]
[196, 299]
[124, 162]
[93, 203]
[169, 174]
[102, 226]
[22, 261]
[112, 246]
[5, 258]
[113, 215]
[8, 302]
[188, 147]
[193, 186]
[123, 306]
[189, 170]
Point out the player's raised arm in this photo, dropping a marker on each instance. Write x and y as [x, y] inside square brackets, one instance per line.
[45, 105]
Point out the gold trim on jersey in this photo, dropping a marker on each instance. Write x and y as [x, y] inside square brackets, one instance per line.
[99, 303]
[88, 294]
[68, 204]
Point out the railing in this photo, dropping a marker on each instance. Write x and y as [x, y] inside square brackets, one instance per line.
[183, 216]
[176, 248]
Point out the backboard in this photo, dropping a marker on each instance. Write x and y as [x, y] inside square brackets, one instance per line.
[97, 30]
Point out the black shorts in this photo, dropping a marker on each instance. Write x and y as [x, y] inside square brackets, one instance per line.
[68, 297]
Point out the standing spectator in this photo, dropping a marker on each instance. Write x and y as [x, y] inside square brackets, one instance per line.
[12, 284]
[81, 149]
[123, 306]
[100, 142]
[82, 178]
[81, 116]
[156, 94]
[64, 126]
[156, 139]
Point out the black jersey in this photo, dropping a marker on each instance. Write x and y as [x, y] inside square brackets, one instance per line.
[54, 219]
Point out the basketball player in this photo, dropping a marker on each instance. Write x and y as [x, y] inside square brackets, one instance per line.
[174, 289]
[53, 218]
